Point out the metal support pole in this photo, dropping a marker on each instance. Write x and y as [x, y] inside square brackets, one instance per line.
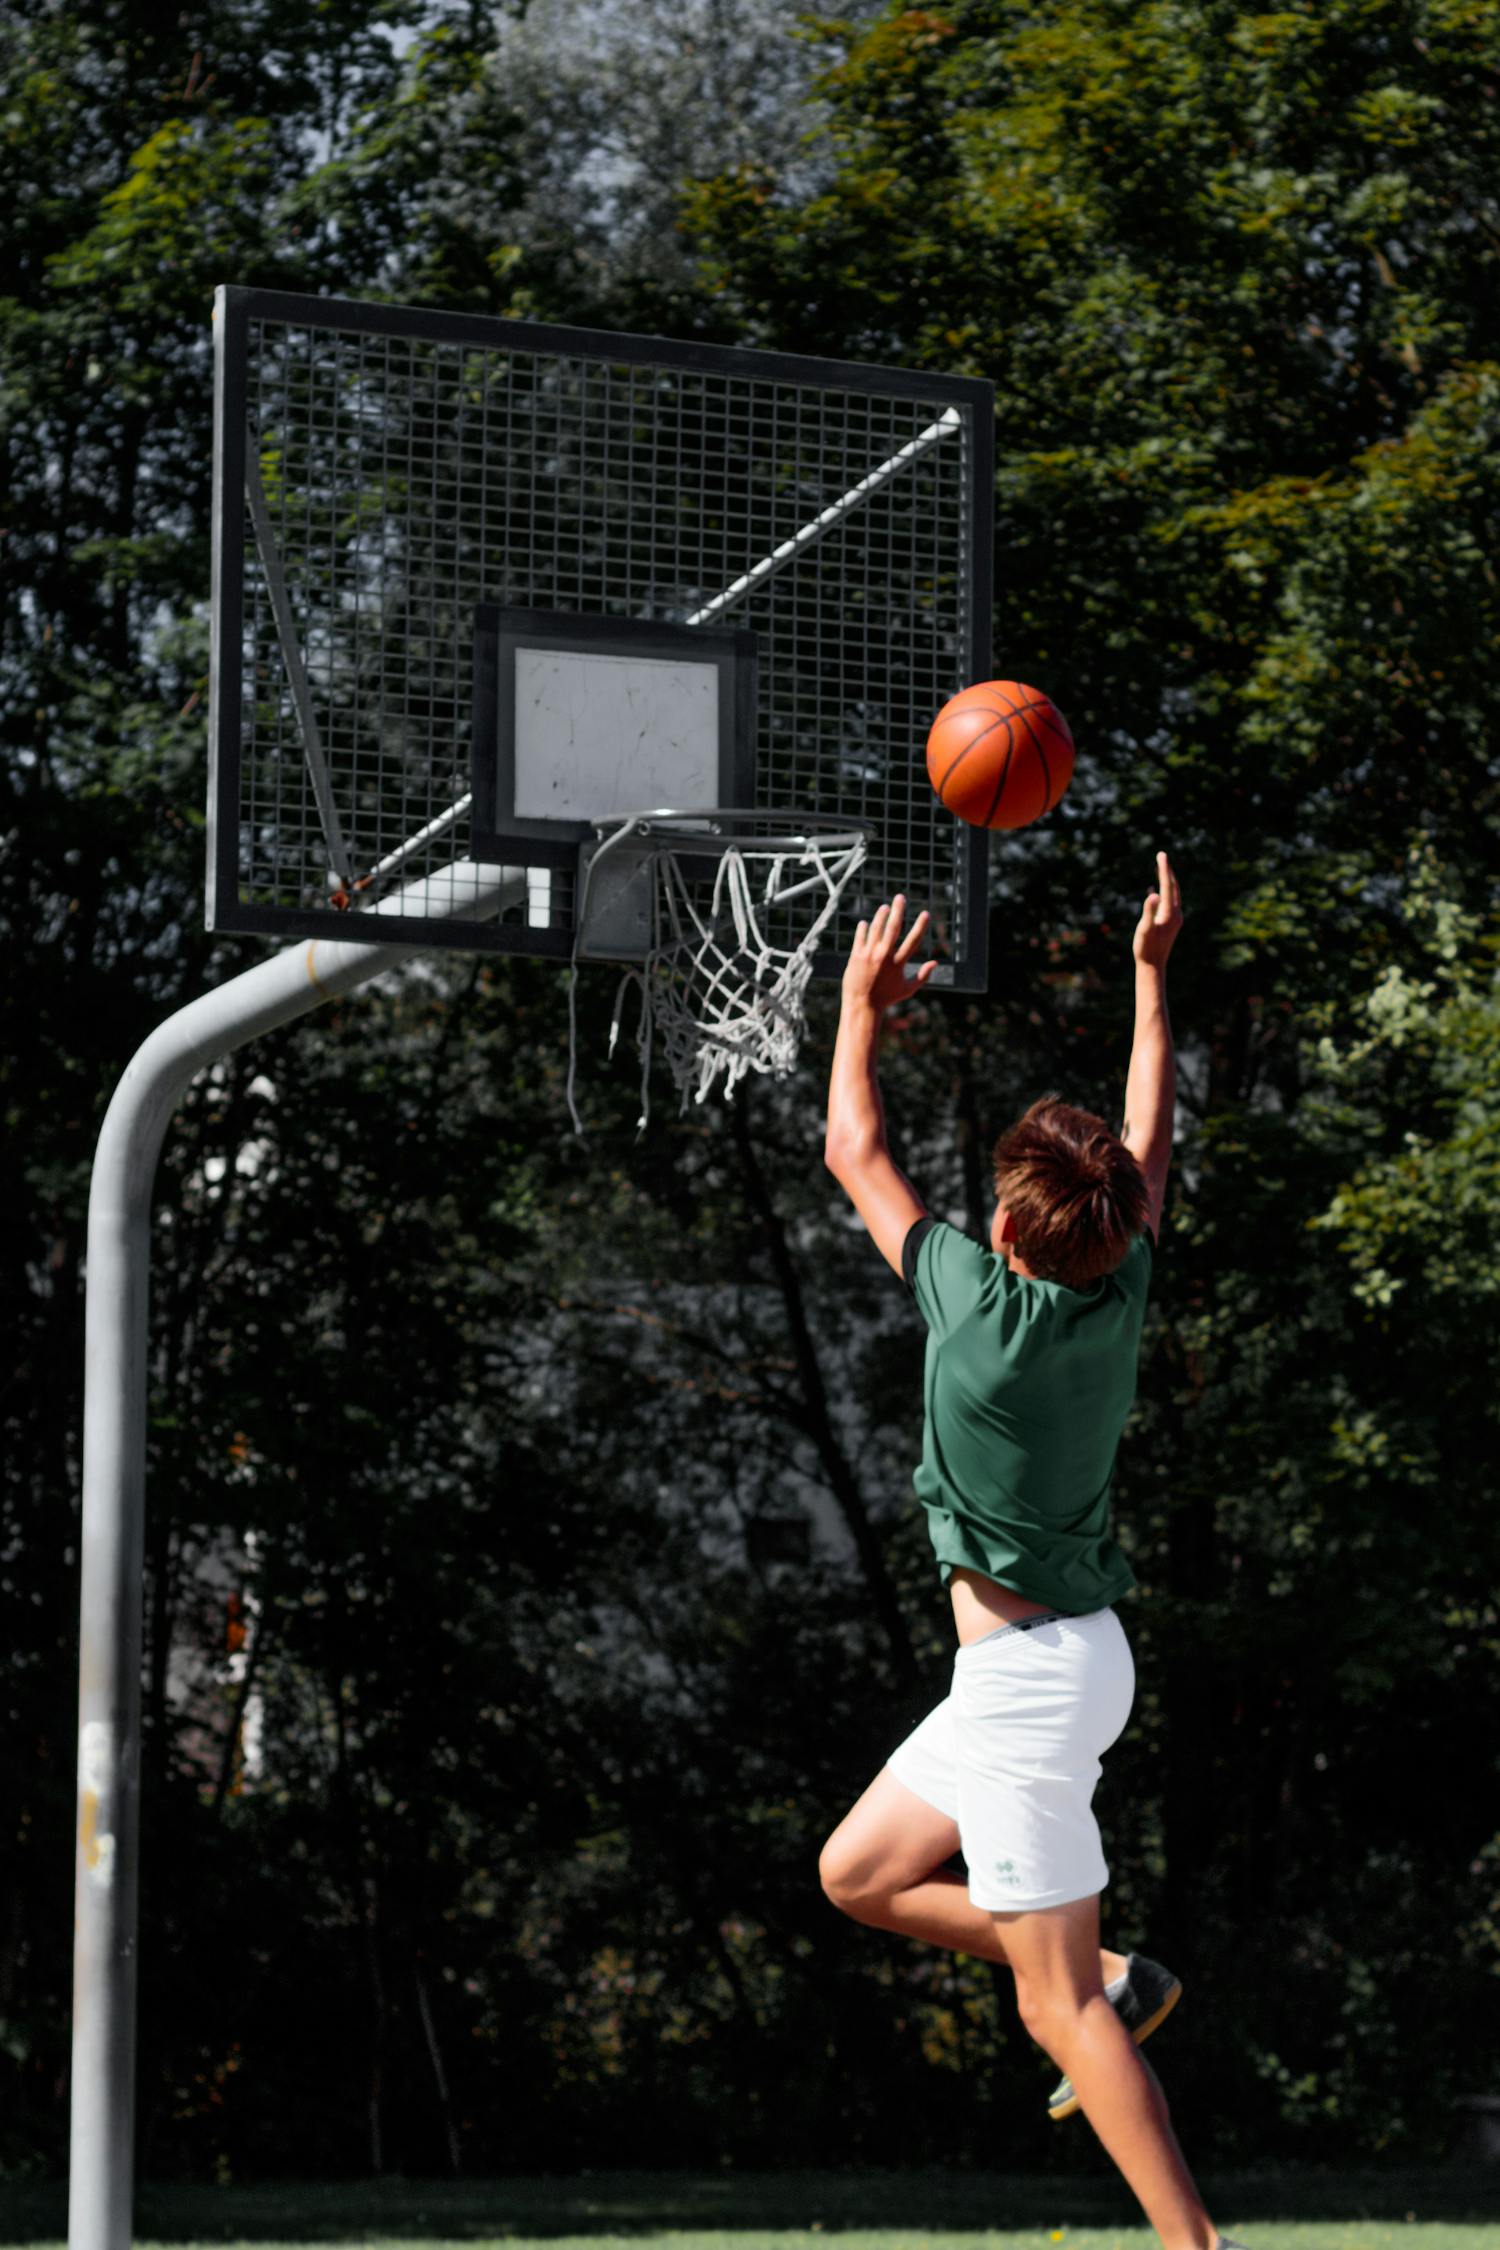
[274, 992]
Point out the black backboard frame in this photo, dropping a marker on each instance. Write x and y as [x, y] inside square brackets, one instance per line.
[238, 307]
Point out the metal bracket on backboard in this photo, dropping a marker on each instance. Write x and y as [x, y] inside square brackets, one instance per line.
[618, 898]
[618, 902]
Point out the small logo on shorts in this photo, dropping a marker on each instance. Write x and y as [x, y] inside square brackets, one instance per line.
[1007, 1868]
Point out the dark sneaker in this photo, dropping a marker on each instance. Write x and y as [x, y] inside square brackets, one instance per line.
[1151, 1993]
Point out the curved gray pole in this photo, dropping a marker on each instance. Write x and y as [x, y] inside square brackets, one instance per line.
[114, 1483]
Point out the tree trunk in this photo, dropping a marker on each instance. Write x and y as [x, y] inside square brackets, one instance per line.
[819, 1421]
[439, 2074]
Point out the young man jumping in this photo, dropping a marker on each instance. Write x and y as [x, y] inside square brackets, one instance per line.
[1030, 1372]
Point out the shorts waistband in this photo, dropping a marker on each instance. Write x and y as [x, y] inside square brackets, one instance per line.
[1022, 1625]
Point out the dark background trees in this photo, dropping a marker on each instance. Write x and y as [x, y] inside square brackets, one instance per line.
[563, 1487]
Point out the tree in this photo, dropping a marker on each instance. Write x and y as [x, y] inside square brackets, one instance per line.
[621, 105]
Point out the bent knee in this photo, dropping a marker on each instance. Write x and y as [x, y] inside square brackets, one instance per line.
[1049, 2013]
[836, 1874]
[845, 1882]
[1035, 2009]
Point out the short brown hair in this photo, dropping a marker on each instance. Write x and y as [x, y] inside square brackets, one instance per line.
[1078, 1196]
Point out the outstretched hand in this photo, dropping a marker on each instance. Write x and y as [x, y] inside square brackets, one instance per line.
[1161, 918]
[877, 967]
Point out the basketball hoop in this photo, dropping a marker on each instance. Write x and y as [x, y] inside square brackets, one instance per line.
[719, 914]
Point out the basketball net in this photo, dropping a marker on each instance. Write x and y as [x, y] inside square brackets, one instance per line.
[719, 994]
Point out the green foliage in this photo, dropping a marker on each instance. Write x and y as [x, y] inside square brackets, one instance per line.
[173, 222]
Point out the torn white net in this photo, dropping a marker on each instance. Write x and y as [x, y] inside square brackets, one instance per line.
[717, 993]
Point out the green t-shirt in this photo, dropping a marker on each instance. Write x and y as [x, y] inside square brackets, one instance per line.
[1026, 1387]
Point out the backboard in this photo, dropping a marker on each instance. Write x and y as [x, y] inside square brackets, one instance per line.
[480, 582]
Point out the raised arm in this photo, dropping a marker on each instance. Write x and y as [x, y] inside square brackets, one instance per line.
[854, 1148]
[1151, 1087]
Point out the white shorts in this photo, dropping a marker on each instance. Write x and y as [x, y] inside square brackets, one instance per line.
[1012, 1754]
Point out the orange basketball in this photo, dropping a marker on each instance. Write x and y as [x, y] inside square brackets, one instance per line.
[1000, 754]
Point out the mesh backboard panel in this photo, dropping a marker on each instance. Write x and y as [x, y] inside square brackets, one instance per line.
[381, 474]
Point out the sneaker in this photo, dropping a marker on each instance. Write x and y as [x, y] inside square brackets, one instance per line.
[1151, 1993]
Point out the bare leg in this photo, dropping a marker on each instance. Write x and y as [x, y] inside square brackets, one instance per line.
[1055, 1956]
[938, 1911]
[883, 1865]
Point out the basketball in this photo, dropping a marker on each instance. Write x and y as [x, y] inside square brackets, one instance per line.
[1000, 754]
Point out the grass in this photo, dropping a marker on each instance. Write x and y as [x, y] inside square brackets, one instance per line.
[1433, 2208]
